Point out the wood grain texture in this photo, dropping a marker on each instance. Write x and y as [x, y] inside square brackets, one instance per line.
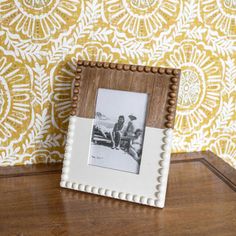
[198, 202]
[161, 85]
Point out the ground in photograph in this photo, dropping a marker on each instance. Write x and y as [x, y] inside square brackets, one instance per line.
[113, 159]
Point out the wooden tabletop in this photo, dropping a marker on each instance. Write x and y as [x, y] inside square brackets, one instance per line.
[201, 200]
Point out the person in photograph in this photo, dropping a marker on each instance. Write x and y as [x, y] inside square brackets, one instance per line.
[103, 130]
[130, 129]
[135, 147]
[117, 132]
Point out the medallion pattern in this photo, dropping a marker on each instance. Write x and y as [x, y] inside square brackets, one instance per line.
[200, 86]
[15, 96]
[39, 20]
[41, 40]
[220, 15]
[139, 18]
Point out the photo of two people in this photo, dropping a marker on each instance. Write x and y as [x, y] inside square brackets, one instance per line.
[118, 130]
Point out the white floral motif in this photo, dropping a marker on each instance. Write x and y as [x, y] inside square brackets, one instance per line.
[140, 18]
[224, 146]
[36, 4]
[63, 81]
[14, 99]
[38, 19]
[220, 14]
[190, 88]
[200, 86]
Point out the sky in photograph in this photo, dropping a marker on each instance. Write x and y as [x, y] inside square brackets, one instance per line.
[113, 103]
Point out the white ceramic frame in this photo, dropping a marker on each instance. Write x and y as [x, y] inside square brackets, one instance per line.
[148, 187]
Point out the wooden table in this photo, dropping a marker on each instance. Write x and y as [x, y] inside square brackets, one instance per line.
[201, 200]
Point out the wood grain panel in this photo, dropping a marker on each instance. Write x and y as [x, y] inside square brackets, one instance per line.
[156, 82]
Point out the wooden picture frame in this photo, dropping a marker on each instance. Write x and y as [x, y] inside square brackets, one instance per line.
[161, 86]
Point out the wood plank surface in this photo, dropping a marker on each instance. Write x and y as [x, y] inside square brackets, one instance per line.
[200, 200]
[161, 88]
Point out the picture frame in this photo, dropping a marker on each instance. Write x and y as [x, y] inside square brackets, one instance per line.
[107, 153]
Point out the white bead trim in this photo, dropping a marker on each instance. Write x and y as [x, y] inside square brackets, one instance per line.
[161, 172]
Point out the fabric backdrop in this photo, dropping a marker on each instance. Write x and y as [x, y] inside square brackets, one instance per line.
[41, 41]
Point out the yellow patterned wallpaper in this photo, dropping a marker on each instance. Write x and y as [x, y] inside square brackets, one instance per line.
[42, 39]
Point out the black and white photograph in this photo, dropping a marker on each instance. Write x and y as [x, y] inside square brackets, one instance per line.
[118, 130]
